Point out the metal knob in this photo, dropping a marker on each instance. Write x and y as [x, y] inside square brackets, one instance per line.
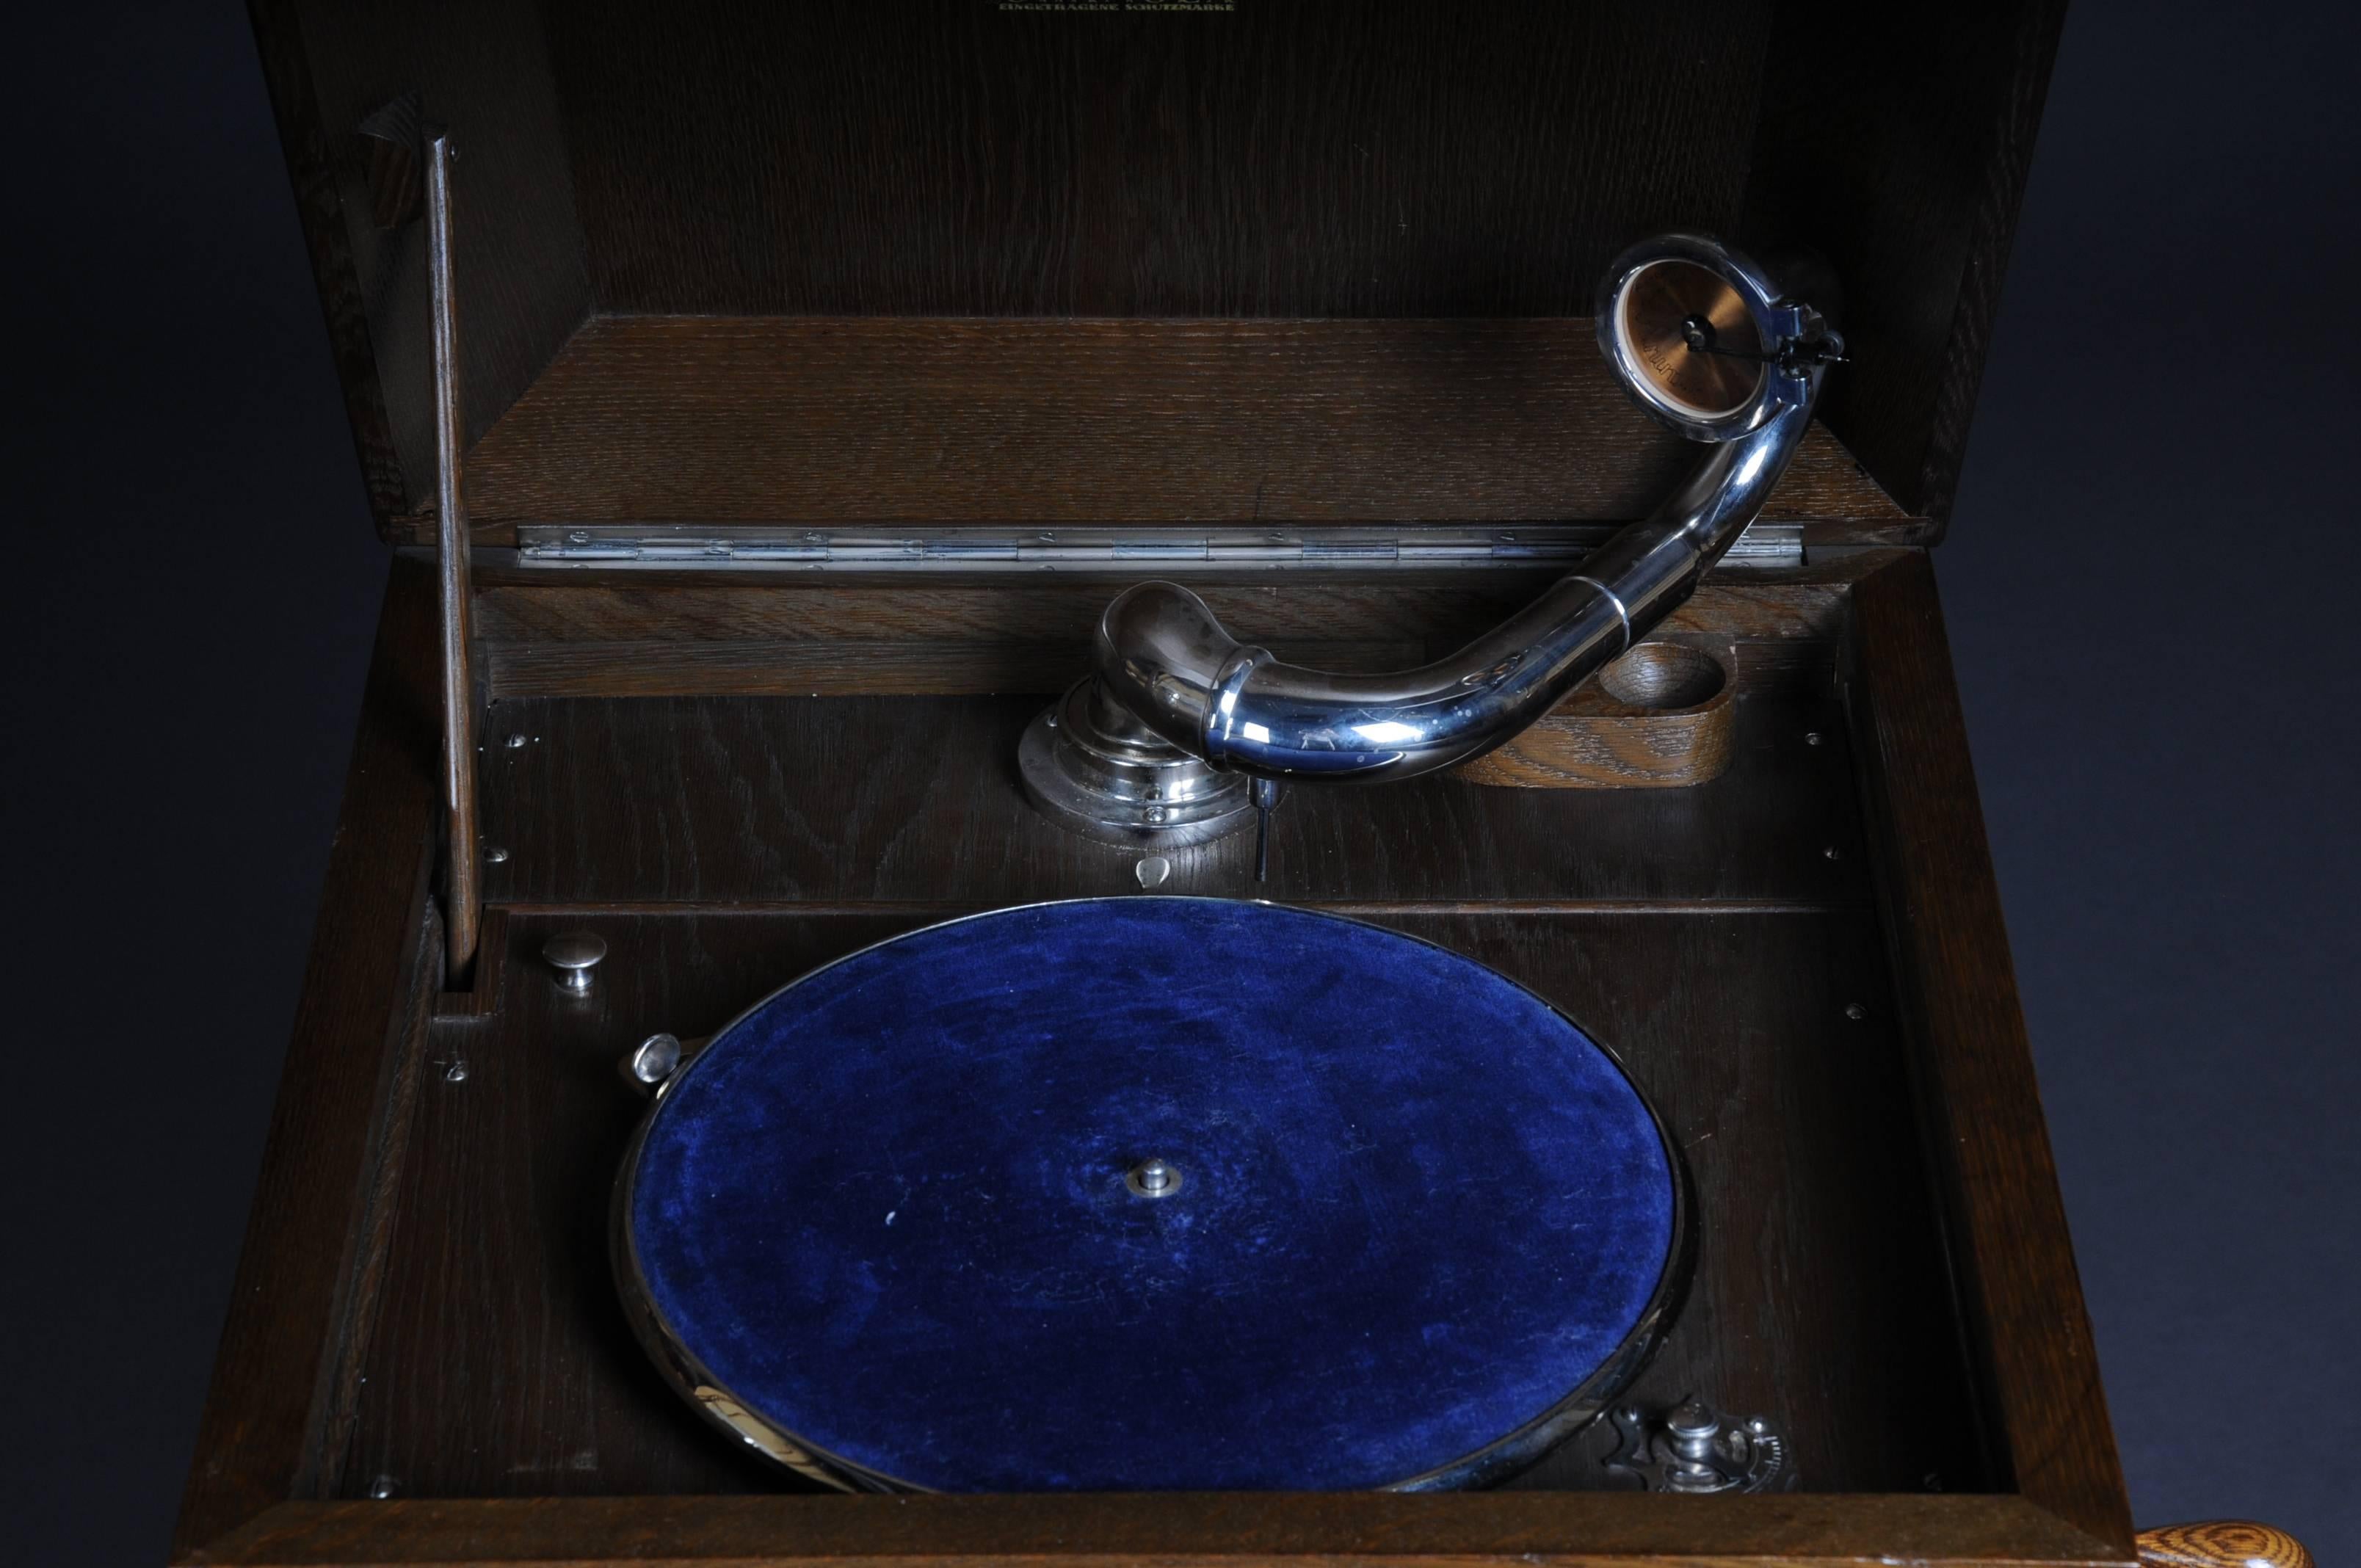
[657, 1058]
[1692, 1426]
[1693, 1448]
[574, 954]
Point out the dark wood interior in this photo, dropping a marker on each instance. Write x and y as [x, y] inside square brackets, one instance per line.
[1882, 1265]
[738, 163]
[739, 420]
[723, 843]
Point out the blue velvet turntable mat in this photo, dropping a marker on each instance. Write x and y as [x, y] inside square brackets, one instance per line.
[886, 1209]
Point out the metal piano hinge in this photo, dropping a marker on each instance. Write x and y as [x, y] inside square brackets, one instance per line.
[1693, 1449]
[1161, 552]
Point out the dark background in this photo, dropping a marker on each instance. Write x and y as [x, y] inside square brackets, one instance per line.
[2149, 582]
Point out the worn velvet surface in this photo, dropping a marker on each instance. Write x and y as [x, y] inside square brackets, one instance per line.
[886, 1209]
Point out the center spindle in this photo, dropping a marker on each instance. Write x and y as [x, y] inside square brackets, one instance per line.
[1153, 1178]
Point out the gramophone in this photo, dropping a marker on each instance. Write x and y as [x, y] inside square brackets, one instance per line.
[1589, 1120]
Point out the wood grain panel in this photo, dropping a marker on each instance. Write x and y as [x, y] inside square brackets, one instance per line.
[480, 71]
[2220, 1543]
[850, 799]
[1818, 1299]
[1908, 181]
[502, 1365]
[1619, 731]
[867, 667]
[947, 157]
[1203, 1530]
[280, 1389]
[2045, 1416]
[622, 634]
[874, 667]
[1443, 610]
[749, 420]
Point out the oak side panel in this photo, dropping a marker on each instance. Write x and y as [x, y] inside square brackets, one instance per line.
[814, 420]
[1908, 183]
[621, 634]
[516, 606]
[1177, 1530]
[354, 1320]
[609, 632]
[277, 1384]
[2044, 1412]
[853, 799]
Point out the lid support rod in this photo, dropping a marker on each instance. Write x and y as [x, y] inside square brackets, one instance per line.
[462, 891]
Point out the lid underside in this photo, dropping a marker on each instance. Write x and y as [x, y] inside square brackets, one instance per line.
[1404, 165]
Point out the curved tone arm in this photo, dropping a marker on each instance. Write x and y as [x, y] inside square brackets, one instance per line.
[1163, 655]
[2220, 1543]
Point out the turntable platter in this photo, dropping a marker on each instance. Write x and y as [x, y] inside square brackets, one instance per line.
[1150, 1192]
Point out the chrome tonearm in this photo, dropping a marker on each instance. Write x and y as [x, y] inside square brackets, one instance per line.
[1152, 748]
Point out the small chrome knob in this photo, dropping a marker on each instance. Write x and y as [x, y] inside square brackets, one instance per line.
[574, 954]
[657, 1058]
[1691, 1422]
[1691, 1449]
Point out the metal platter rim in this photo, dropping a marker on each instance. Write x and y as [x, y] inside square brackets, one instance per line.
[1505, 1455]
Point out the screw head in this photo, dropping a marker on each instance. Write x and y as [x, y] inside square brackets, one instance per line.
[1152, 871]
[456, 1072]
[1811, 736]
[496, 856]
[516, 743]
[1856, 1012]
[1155, 814]
[1833, 853]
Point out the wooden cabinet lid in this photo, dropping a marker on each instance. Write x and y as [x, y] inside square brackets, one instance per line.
[732, 264]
